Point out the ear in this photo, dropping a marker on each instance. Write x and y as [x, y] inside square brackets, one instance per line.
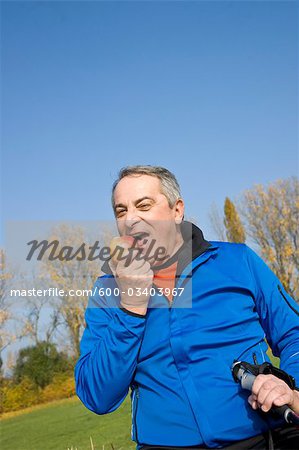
[179, 208]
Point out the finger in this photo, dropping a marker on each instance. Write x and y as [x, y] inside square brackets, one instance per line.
[255, 405]
[284, 399]
[259, 381]
[280, 391]
[135, 268]
[274, 394]
[252, 401]
[267, 387]
[130, 257]
[141, 273]
[126, 252]
[133, 264]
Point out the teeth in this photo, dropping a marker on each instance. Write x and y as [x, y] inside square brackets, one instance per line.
[140, 236]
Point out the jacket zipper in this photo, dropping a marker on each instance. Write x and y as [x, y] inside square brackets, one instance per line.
[135, 404]
[188, 276]
[292, 308]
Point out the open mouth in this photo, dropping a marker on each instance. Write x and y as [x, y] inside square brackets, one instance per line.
[140, 238]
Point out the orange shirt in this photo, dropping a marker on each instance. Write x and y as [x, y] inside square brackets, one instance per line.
[165, 278]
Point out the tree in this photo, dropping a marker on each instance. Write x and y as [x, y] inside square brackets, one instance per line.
[6, 336]
[234, 228]
[217, 222]
[272, 217]
[75, 278]
[34, 325]
[12, 324]
[40, 363]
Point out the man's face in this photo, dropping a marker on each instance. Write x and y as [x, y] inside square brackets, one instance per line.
[142, 211]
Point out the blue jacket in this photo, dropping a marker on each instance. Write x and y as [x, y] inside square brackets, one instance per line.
[177, 360]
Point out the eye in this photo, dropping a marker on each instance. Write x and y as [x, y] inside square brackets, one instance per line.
[144, 206]
[120, 213]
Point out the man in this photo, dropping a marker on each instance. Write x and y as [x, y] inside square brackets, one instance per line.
[176, 355]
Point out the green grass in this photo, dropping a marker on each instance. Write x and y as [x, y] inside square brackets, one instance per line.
[66, 425]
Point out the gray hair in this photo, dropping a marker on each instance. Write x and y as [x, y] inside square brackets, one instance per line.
[169, 185]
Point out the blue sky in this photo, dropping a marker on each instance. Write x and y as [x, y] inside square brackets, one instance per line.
[207, 89]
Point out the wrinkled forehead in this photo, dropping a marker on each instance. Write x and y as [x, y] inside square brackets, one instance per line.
[133, 187]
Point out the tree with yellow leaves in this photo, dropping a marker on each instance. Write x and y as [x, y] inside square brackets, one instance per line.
[71, 275]
[233, 225]
[272, 218]
[6, 335]
[5, 314]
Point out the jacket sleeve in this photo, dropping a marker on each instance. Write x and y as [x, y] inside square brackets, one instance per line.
[279, 314]
[108, 353]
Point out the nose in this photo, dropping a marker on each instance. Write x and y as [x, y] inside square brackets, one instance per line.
[131, 219]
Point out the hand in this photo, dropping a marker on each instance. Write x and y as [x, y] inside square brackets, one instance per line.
[137, 274]
[268, 391]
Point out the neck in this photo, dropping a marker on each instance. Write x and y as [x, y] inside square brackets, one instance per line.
[179, 241]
